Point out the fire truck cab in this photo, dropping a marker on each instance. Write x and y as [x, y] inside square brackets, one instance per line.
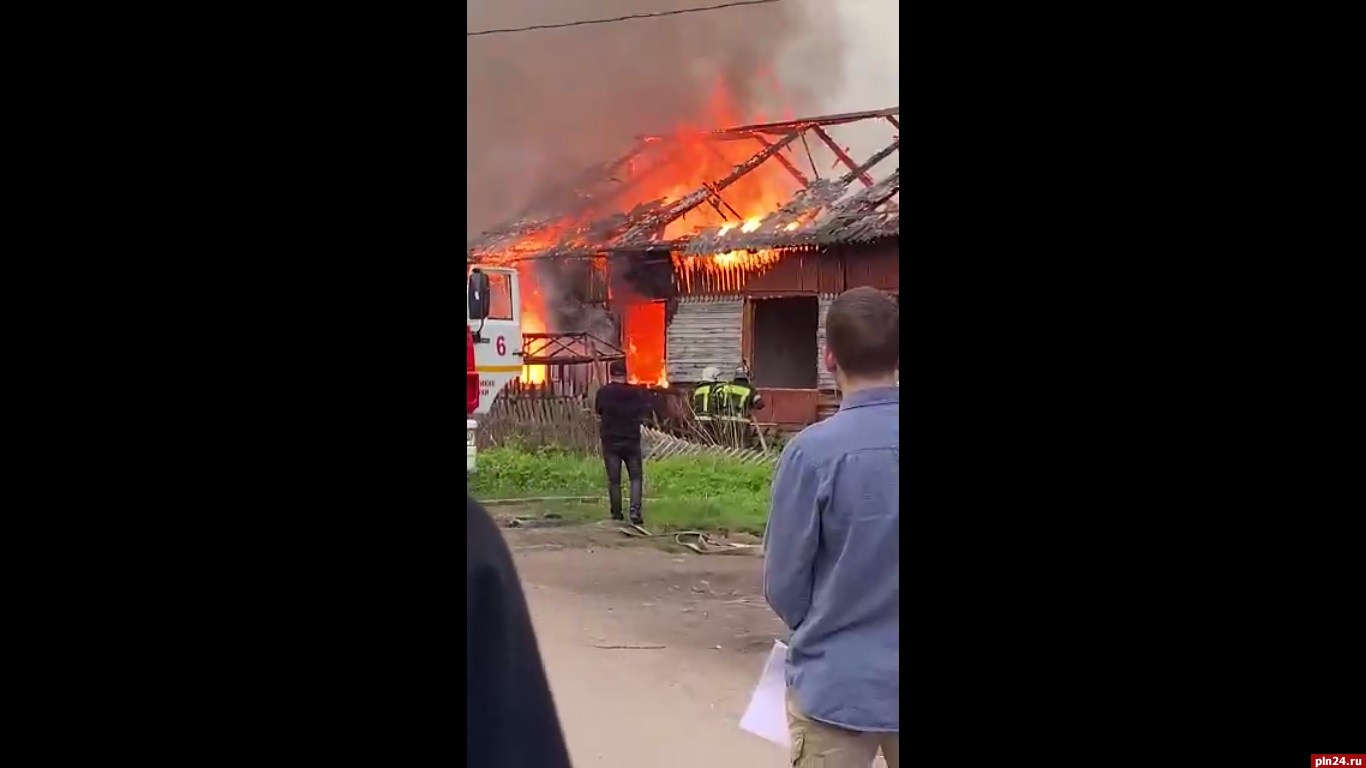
[493, 344]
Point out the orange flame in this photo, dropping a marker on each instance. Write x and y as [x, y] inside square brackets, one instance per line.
[691, 161]
[698, 161]
[644, 332]
[533, 319]
[729, 270]
[694, 162]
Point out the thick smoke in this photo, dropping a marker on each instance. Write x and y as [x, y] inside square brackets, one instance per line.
[869, 69]
[543, 105]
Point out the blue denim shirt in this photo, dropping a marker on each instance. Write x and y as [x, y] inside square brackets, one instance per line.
[831, 562]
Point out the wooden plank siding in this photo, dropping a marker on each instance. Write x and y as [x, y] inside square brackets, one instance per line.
[705, 331]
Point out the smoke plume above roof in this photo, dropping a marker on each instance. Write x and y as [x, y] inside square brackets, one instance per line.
[545, 104]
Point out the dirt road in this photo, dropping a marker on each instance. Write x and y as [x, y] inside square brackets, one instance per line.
[651, 655]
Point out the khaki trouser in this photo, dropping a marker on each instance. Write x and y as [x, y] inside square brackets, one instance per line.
[821, 745]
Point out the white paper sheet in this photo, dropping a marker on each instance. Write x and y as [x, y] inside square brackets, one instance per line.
[766, 715]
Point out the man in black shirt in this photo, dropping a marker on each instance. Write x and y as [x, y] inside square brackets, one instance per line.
[620, 408]
[510, 719]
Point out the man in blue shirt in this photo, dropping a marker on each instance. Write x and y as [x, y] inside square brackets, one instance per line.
[832, 549]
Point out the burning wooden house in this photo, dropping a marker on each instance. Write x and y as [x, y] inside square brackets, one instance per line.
[711, 249]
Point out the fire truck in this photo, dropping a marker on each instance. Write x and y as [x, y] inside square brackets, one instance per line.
[493, 344]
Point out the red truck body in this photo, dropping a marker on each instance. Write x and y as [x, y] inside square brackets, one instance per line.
[471, 375]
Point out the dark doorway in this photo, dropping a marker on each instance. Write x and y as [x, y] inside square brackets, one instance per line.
[784, 348]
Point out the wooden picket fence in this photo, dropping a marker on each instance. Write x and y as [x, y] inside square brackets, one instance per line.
[568, 423]
[658, 445]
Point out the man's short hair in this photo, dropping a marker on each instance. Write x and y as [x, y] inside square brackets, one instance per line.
[863, 331]
[616, 369]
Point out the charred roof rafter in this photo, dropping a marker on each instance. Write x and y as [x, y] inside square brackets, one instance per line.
[789, 126]
[843, 156]
[787, 164]
[590, 222]
[657, 220]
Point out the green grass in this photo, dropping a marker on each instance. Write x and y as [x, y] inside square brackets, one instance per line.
[682, 492]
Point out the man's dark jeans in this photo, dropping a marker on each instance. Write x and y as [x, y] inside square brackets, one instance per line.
[614, 457]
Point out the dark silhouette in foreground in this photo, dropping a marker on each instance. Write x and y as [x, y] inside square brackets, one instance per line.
[510, 715]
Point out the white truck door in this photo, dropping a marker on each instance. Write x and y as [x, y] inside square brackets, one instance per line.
[498, 343]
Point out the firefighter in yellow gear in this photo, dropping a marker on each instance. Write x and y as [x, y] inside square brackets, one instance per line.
[730, 401]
